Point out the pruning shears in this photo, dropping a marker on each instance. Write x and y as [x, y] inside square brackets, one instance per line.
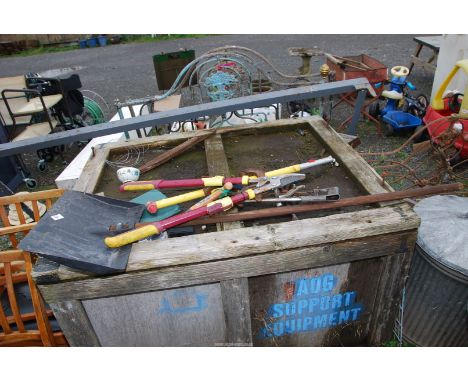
[262, 184]
[208, 183]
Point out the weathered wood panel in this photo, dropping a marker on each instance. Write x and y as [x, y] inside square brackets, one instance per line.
[236, 303]
[268, 238]
[355, 165]
[218, 165]
[194, 274]
[75, 323]
[190, 316]
[92, 171]
[314, 307]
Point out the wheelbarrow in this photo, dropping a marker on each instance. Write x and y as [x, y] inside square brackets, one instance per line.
[395, 121]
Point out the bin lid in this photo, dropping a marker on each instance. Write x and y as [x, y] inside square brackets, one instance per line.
[443, 233]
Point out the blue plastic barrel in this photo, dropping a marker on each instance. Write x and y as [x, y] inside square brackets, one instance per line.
[83, 44]
[102, 40]
[92, 42]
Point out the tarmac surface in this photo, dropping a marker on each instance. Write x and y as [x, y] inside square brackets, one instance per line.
[126, 70]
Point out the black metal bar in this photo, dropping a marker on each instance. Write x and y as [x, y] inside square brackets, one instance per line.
[196, 111]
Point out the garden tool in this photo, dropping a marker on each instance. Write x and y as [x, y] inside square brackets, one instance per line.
[218, 181]
[262, 185]
[71, 232]
[153, 206]
[215, 195]
[318, 195]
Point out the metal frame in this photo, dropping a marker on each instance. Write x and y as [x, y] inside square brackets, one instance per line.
[360, 85]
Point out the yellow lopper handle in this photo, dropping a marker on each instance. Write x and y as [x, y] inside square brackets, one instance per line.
[153, 207]
[131, 236]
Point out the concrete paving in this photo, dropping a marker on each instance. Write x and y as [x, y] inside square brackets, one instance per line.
[126, 70]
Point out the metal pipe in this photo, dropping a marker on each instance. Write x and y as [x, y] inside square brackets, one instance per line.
[181, 114]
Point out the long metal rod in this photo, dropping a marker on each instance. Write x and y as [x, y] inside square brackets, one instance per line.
[355, 201]
[196, 111]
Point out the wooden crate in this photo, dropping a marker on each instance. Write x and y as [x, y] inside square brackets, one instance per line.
[328, 279]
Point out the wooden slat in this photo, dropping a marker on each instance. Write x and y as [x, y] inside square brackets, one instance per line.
[17, 228]
[236, 305]
[216, 271]
[4, 322]
[234, 293]
[365, 176]
[16, 266]
[19, 211]
[420, 62]
[6, 223]
[267, 238]
[17, 339]
[272, 237]
[39, 308]
[4, 216]
[11, 255]
[38, 195]
[17, 278]
[35, 207]
[74, 322]
[12, 298]
[27, 317]
[217, 165]
[92, 171]
[168, 155]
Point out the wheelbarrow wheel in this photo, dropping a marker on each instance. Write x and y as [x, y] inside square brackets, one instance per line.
[387, 130]
[374, 110]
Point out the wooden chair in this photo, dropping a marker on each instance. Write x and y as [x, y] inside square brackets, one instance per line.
[15, 272]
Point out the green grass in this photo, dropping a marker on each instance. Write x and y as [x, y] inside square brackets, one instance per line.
[131, 38]
[125, 39]
[394, 343]
[42, 50]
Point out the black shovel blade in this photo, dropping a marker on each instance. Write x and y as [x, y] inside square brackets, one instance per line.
[72, 232]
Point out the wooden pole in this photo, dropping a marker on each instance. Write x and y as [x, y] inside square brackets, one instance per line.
[168, 155]
[355, 201]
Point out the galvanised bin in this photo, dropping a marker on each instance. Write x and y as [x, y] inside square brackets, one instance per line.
[436, 309]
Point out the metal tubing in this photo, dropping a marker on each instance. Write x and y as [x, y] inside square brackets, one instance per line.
[197, 111]
[357, 113]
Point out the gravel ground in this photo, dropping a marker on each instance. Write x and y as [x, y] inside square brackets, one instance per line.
[126, 71]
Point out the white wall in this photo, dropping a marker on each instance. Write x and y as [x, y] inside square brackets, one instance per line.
[452, 49]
